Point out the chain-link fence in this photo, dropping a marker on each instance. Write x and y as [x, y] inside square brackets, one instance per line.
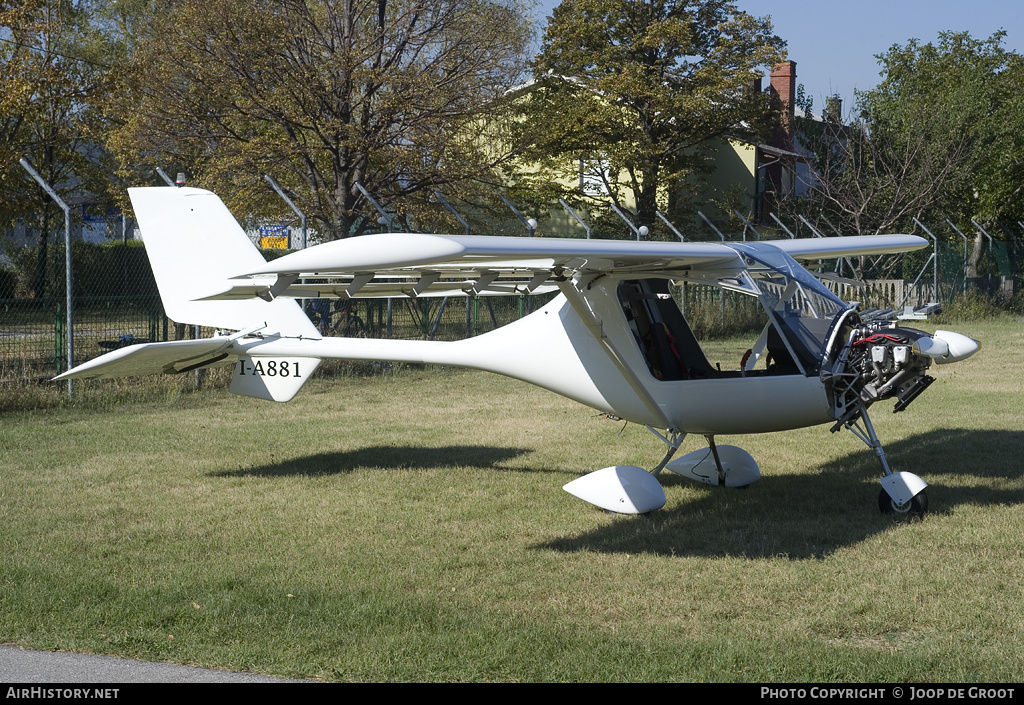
[33, 335]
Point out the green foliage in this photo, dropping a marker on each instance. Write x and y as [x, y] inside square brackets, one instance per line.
[401, 96]
[99, 270]
[714, 314]
[975, 305]
[940, 136]
[633, 91]
[53, 71]
[804, 102]
[8, 284]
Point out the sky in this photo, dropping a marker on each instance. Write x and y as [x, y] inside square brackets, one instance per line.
[834, 44]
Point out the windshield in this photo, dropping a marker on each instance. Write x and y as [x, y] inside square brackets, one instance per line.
[802, 309]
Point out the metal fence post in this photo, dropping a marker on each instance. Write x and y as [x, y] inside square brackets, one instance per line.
[58, 338]
[991, 250]
[711, 225]
[673, 228]
[387, 219]
[530, 223]
[68, 279]
[957, 230]
[573, 214]
[302, 216]
[639, 232]
[444, 202]
[935, 259]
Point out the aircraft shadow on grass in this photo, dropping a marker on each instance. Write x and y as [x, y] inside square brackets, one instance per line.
[383, 457]
[813, 514]
[807, 515]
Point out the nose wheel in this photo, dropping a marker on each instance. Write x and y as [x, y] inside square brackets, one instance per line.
[902, 492]
[916, 507]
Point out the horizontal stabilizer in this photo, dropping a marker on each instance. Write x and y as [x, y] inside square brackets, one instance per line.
[274, 377]
[154, 358]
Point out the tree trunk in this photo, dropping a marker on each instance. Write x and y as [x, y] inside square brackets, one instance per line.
[974, 261]
[647, 198]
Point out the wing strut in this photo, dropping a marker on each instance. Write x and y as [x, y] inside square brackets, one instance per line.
[596, 328]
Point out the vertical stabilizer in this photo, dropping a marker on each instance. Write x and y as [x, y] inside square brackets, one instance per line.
[195, 246]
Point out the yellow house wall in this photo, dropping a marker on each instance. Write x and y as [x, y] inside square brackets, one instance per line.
[735, 165]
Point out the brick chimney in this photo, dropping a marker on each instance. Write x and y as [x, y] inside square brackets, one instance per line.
[783, 85]
[783, 78]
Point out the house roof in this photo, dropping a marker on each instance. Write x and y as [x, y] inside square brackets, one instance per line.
[778, 152]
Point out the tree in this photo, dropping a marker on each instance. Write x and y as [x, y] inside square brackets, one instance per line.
[637, 89]
[51, 73]
[401, 96]
[941, 135]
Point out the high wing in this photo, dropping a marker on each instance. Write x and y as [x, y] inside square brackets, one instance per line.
[809, 249]
[418, 264]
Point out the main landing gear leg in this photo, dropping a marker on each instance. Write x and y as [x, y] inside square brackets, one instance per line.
[673, 441]
[718, 460]
[902, 492]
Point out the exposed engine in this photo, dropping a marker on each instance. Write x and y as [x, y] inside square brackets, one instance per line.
[879, 360]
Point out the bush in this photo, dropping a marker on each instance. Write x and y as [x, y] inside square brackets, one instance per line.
[113, 269]
[973, 305]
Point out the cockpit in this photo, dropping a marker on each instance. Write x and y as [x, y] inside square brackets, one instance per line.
[803, 320]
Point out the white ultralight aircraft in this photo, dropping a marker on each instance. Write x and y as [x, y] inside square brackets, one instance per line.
[614, 339]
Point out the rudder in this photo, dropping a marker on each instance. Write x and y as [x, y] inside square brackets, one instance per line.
[195, 246]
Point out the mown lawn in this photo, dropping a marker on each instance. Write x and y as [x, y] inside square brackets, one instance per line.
[411, 526]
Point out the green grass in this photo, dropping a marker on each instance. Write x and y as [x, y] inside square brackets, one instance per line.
[411, 527]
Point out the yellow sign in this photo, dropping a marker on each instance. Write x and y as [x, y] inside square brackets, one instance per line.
[274, 242]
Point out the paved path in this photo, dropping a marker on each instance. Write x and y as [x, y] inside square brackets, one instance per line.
[18, 666]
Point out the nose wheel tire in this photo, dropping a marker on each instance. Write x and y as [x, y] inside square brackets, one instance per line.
[916, 507]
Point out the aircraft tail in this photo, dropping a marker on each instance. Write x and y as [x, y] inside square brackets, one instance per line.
[195, 246]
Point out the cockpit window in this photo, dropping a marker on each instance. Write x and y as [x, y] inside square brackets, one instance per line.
[802, 310]
[801, 315]
[661, 332]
